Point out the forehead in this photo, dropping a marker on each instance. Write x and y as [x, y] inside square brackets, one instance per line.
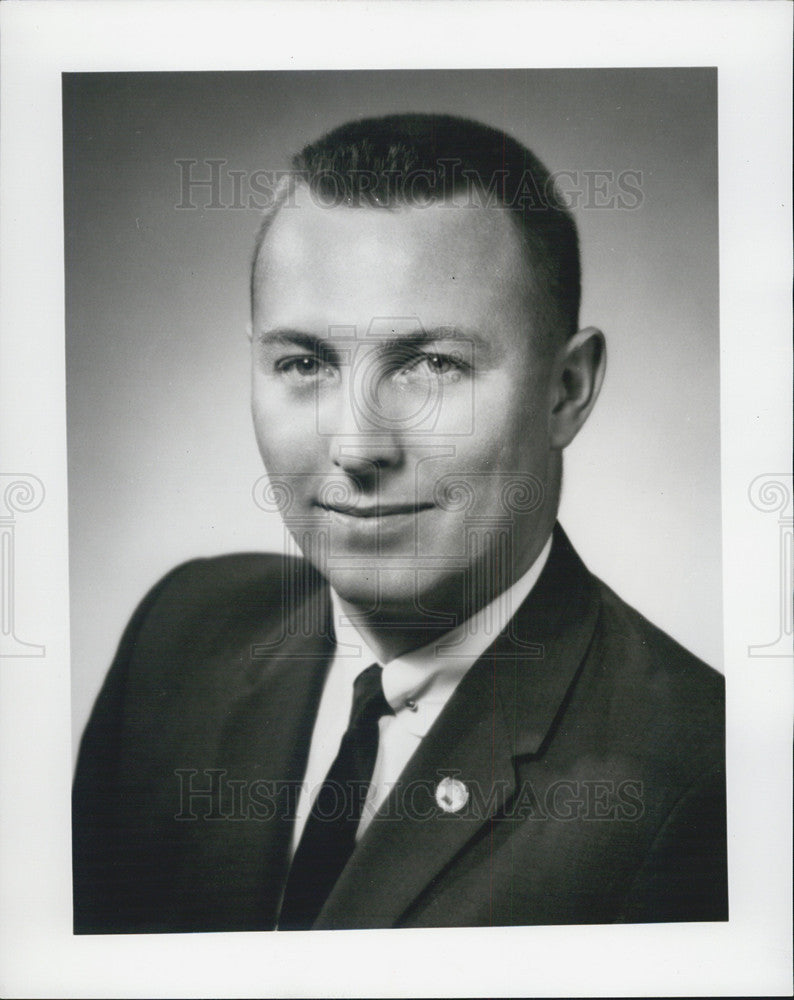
[438, 262]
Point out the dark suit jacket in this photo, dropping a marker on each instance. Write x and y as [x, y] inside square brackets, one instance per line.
[591, 745]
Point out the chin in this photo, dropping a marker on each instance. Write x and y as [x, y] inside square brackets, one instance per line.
[405, 593]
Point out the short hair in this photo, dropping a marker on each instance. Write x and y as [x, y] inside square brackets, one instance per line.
[404, 159]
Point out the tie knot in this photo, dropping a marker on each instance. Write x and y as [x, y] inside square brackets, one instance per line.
[369, 701]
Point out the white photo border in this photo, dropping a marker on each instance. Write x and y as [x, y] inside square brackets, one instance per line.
[749, 44]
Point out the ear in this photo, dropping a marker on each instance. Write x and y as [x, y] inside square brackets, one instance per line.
[578, 374]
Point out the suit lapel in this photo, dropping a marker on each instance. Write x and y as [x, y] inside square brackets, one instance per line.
[261, 757]
[560, 615]
[506, 705]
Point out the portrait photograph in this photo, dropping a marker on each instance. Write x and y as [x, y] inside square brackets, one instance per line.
[400, 576]
[418, 366]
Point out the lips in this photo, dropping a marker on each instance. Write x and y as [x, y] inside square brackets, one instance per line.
[377, 510]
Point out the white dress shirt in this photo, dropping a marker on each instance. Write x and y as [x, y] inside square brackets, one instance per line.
[417, 685]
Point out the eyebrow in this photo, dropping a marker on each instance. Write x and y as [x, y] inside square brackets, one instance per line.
[286, 335]
[326, 345]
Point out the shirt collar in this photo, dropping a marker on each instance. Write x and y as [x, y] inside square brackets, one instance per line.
[419, 683]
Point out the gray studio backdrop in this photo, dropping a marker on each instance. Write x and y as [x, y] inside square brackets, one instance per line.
[162, 458]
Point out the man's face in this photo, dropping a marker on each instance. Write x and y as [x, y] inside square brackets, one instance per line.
[401, 399]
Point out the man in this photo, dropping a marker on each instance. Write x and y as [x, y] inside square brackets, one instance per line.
[436, 716]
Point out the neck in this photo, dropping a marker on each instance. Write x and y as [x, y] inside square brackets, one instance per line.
[391, 631]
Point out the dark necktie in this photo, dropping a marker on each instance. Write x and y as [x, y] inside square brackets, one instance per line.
[330, 833]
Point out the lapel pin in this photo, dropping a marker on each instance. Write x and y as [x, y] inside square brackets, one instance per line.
[451, 795]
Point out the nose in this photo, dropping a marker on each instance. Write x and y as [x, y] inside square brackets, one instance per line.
[363, 440]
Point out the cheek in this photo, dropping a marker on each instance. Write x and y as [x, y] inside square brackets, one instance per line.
[509, 443]
[284, 444]
[508, 416]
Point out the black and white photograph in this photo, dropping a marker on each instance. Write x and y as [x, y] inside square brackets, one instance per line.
[411, 482]
[425, 711]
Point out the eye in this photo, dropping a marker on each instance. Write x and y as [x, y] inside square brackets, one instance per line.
[440, 364]
[432, 364]
[301, 367]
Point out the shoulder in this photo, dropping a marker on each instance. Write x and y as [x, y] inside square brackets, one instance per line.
[626, 629]
[234, 578]
[633, 657]
[668, 697]
[222, 594]
[192, 637]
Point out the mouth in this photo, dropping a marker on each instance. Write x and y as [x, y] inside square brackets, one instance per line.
[379, 510]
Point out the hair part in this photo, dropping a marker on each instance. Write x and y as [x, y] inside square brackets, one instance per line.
[409, 160]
